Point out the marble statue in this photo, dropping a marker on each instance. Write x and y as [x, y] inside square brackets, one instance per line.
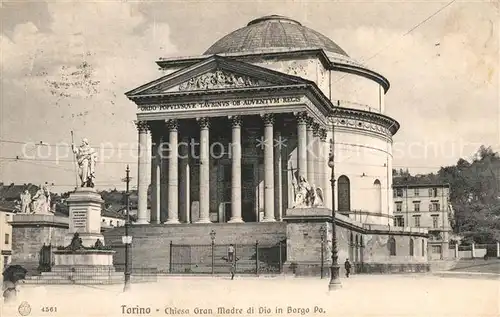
[306, 195]
[86, 158]
[25, 202]
[41, 201]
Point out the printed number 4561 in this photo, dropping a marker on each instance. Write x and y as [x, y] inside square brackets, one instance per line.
[49, 309]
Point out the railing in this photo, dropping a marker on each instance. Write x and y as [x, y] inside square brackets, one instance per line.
[215, 259]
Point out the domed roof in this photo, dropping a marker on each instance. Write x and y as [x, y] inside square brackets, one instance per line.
[270, 33]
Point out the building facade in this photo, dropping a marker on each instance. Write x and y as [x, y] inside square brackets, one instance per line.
[252, 115]
[426, 206]
[7, 211]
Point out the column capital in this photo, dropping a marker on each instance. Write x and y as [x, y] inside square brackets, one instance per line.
[268, 118]
[142, 126]
[316, 129]
[322, 134]
[236, 121]
[203, 122]
[302, 117]
[172, 124]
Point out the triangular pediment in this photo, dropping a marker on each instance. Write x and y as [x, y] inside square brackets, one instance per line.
[215, 73]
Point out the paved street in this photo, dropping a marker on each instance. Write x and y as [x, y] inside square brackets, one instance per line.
[407, 296]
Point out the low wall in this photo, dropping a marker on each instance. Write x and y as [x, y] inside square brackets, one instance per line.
[150, 244]
[30, 233]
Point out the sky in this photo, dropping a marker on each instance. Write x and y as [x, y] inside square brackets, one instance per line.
[441, 58]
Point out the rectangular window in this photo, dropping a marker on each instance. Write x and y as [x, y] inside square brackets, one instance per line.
[435, 221]
[416, 219]
[416, 192]
[399, 222]
[435, 206]
[416, 206]
[7, 238]
[399, 206]
[399, 192]
[5, 261]
[433, 192]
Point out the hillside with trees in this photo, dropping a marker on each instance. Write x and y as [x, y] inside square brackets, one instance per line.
[475, 194]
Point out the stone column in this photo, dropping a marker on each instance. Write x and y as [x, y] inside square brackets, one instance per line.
[184, 207]
[173, 172]
[268, 168]
[278, 182]
[317, 158]
[310, 151]
[456, 251]
[498, 250]
[236, 170]
[473, 250]
[204, 171]
[155, 175]
[142, 176]
[164, 150]
[302, 144]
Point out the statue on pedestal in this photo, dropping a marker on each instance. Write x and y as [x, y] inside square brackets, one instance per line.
[86, 158]
[306, 196]
[25, 202]
[41, 201]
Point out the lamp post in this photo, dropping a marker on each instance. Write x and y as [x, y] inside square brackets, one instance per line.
[126, 239]
[212, 237]
[334, 268]
[322, 234]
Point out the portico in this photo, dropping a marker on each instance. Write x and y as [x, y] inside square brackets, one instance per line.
[223, 134]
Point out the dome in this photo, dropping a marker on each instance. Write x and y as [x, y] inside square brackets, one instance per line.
[271, 33]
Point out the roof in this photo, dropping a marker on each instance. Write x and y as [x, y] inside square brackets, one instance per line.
[13, 192]
[270, 33]
[8, 206]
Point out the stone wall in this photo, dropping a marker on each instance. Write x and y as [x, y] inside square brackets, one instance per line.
[366, 246]
[151, 243]
[30, 233]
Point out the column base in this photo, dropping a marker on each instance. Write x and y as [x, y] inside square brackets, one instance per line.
[141, 222]
[236, 220]
[203, 221]
[268, 220]
[172, 222]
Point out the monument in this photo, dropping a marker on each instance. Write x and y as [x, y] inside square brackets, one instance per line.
[84, 258]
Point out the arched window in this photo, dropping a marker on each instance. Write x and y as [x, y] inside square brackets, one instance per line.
[423, 247]
[411, 247]
[392, 246]
[344, 193]
[377, 192]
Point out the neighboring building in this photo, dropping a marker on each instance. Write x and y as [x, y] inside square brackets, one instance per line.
[112, 219]
[426, 206]
[7, 211]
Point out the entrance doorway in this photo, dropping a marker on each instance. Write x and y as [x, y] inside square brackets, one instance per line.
[248, 191]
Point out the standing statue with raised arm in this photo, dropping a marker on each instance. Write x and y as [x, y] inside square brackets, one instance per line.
[86, 158]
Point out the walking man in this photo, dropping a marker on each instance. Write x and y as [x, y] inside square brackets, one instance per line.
[230, 259]
[347, 266]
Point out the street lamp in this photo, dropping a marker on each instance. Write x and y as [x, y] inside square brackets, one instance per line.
[126, 239]
[322, 234]
[334, 268]
[212, 237]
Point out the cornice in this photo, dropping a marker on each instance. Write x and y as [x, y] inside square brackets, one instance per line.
[364, 120]
[327, 62]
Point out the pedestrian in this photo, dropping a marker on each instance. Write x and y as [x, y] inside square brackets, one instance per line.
[230, 253]
[347, 266]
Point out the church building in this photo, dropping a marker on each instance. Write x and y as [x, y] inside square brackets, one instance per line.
[253, 115]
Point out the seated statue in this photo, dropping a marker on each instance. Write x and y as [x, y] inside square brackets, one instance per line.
[98, 244]
[76, 243]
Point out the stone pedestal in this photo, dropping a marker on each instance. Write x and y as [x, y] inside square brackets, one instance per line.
[85, 216]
